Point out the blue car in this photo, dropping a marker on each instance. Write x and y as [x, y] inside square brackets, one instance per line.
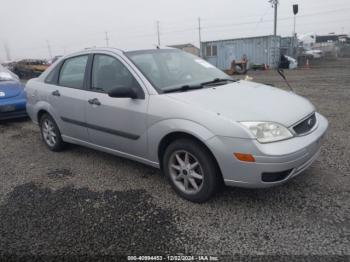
[12, 96]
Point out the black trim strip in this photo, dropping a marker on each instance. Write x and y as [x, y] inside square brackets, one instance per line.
[102, 129]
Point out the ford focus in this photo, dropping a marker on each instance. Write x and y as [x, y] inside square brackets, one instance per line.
[177, 112]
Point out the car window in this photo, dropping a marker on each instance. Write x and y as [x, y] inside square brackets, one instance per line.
[52, 77]
[73, 71]
[149, 67]
[109, 73]
[169, 68]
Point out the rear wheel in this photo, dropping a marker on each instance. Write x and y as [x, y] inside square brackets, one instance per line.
[191, 170]
[50, 133]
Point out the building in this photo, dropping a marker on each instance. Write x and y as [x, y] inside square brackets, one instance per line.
[259, 50]
[333, 45]
[332, 38]
[189, 48]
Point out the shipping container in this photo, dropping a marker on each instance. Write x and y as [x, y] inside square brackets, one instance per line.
[259, 50]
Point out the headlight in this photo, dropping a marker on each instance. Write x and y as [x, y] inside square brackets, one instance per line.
[266, 132]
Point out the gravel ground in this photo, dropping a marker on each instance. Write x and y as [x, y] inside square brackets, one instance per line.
[86, 203]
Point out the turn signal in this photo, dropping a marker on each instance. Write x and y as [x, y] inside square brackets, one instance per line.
[244, 157]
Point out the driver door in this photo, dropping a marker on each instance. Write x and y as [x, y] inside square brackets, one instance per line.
[116, 123]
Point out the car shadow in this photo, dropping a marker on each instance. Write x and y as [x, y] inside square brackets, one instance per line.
[14, 120]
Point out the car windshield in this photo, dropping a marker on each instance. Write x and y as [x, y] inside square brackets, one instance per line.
[171, 69]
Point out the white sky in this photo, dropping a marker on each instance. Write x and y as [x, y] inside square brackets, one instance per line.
[71, 25]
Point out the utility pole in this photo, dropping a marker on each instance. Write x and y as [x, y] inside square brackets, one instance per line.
[107, 39]
[49, 48]
[200, 36]
[295, 45]
[158, 33]
[7, 51]
[274, 5]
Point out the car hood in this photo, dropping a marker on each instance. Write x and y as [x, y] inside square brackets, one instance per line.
[10, 89]
[249, 101]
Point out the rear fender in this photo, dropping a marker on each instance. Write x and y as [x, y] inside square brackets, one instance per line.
[45, 106]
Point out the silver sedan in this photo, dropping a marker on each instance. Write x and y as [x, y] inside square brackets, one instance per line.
[176, 112]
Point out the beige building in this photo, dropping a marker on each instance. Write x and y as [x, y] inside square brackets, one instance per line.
[189, 48]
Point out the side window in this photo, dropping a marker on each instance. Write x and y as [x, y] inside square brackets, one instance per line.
[208, 50]
[109, 73]
[73, 71]
[52, 77]
[212, 50]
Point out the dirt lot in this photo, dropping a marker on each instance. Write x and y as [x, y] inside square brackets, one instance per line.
[83, 202]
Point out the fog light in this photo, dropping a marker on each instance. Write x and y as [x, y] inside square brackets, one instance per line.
[244, 157]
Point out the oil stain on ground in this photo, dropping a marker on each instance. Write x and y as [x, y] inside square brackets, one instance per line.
[70, 221]
[60, 173]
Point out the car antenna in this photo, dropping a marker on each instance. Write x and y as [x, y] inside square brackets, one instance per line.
[281, 73]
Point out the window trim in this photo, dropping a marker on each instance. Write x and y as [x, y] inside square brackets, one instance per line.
[55, 71]
[84, 79]
[122, 61]
[211, 50]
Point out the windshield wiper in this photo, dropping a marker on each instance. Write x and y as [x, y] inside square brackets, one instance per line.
[183, 88]
[218, 81]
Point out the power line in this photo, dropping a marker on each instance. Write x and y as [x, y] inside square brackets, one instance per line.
[200, 29]
[271, 20]
[261, 19]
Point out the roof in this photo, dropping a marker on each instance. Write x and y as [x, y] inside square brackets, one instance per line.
[181, 46]
[111, 50]
[242, 38]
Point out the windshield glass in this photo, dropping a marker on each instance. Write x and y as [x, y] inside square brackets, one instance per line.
[167, 69]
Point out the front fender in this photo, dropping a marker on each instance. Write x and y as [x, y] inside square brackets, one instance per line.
[162, 128]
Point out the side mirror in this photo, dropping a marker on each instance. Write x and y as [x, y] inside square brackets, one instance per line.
[123, 92]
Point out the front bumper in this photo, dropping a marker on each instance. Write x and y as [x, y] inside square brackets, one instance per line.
[13, 108]
[288, 158]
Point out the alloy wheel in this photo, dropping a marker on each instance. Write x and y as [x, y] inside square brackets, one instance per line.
[186, 172]
[49, 132]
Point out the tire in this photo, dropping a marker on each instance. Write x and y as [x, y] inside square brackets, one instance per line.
[177, 172]
[51, 134]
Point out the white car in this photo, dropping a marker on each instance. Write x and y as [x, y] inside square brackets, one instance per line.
[316, 54]
[293, 63]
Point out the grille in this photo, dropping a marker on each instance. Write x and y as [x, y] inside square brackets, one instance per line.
[306, 125]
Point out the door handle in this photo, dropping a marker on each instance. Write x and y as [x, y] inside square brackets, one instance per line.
[56, 93]
[94, 101]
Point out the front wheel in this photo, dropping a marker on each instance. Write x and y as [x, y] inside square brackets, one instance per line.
[50, 133]
[191, 170]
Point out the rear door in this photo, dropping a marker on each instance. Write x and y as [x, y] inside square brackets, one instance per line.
[68, 97]
[116, 123]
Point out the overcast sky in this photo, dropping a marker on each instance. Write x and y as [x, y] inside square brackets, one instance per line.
[27, 27]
